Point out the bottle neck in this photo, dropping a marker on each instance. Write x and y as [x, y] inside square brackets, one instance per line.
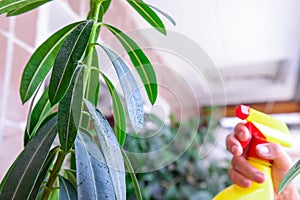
[259, 161]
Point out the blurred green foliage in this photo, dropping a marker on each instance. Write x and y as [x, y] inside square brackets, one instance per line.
[189, 177]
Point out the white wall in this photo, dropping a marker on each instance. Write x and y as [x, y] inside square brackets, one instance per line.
[242, 34]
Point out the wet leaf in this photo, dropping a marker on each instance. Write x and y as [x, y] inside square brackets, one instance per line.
[67, 190]
[42, 61]
[69, 111]
[41, 110]
[140, 61]
[130, 89]
[43, 172]
[110, 147]
[118, 112]
[93, 85]
[67, 59]
[94, 179]
[22, 178]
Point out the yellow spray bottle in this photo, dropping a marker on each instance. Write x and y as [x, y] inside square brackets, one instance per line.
[263, 129]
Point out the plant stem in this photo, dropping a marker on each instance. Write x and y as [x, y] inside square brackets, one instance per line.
[53, 174]
[94, 35]
[95, 10]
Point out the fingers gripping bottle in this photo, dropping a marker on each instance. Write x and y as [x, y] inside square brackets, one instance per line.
[263, 129]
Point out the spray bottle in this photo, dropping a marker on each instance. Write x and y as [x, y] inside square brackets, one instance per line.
[263, 129]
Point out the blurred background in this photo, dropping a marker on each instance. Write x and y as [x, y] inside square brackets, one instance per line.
[248, 52]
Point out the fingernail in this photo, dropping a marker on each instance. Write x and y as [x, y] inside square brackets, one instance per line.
[241, 136]
[233, 149]
[246, 183]
[263, 149]
[259, 177]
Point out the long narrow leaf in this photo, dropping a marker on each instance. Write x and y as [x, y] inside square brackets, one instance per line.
[37, 112]
[11, 5]
[130, 88]
[290, 175]
[140, 61]
[69, 111]
[93, 176]
[134, 180]
[93, 85]
[54, 195]
[67, 59]
[85, 119]
[4, 179]
[119, 113]
[41, 110]
[27, 134]
[67, 190]
[41, 62]
[27, 7]
[164, 14]
[43, 172]
[21, 180]
[148, 14]
[109, 144]
[71, 175]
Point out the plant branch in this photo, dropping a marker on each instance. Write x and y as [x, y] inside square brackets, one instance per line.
[95, 16]
[53, 174]
[94, 33]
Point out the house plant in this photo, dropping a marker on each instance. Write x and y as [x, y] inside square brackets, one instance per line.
[67, 110]
[189, 177]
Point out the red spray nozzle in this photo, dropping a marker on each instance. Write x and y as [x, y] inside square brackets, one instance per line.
[242, 111]
[263, 129]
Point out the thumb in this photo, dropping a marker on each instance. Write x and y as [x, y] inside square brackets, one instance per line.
[271, 151]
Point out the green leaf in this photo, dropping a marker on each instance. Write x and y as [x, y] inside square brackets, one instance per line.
[43, 172]
[71, 175]
[93, 84]
[134, 180]
[27, 7]
[130, 88]
[38, 110]
[54, 195]
[27, 134]
[67, 59]
[140, 61]
[42, 61]
[290, 175]
[164, 14]
[148, 14]
[67, 190]
[41, 110]
[11, 5]
[69, 111]
[112, 156]
[85, 120]
[6, 175]
[73, 164]
[94, 178]
[119, 113]
[21, 180]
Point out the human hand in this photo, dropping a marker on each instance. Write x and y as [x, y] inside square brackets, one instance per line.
[242, 173]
